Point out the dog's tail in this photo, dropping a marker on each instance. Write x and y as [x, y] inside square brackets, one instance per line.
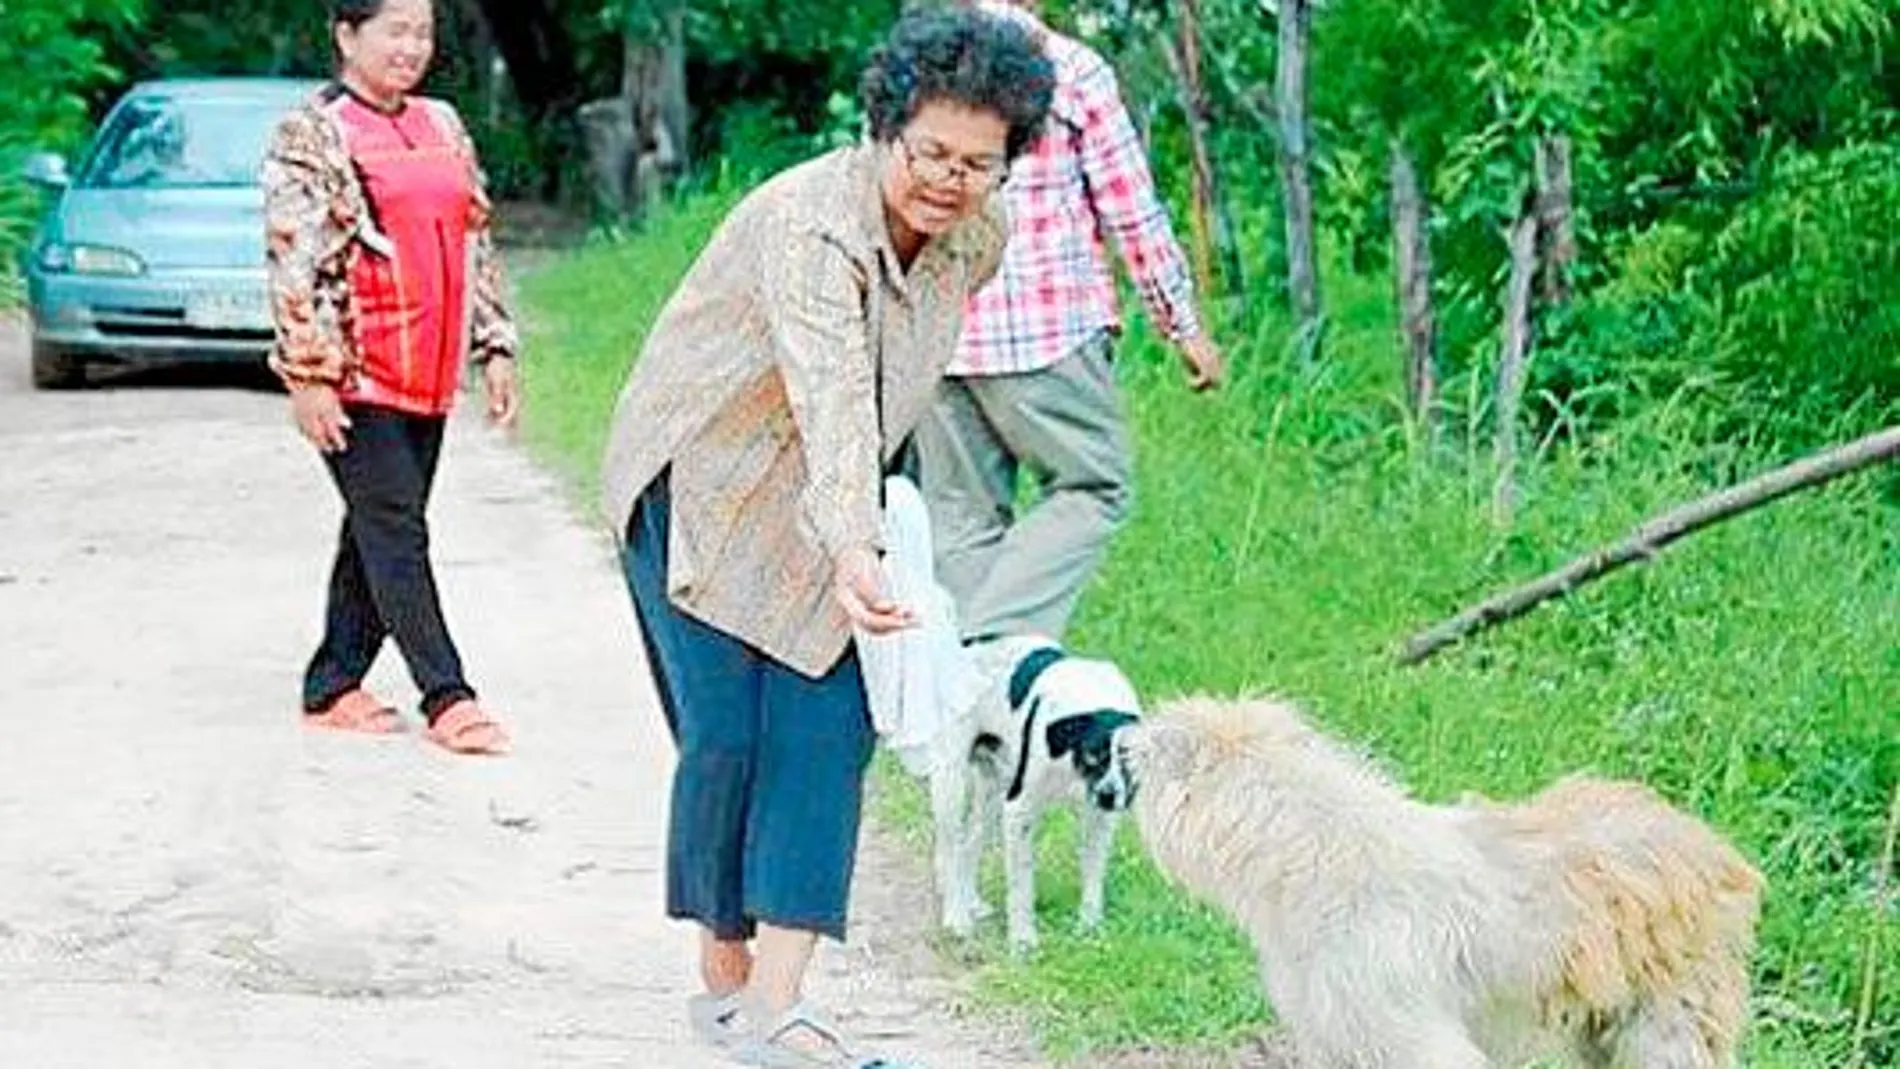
[1667, 912]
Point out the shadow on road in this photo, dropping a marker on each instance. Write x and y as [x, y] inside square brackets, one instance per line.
[185, 376]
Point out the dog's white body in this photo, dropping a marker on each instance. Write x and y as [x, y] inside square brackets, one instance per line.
[1592, 922]
[1042, 717]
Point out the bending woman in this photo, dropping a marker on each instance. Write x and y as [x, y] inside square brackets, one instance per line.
[743, 474]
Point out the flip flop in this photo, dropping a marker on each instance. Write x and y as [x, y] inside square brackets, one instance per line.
[715, 1018]
[767, 1048]
[359, 711]
[463, 728]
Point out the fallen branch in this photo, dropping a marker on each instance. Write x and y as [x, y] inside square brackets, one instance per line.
[1646, 540]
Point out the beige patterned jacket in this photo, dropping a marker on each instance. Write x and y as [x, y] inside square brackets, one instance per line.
[317, 217]
[756, 386]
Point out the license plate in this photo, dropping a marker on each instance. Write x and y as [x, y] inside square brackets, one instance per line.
[229, 310]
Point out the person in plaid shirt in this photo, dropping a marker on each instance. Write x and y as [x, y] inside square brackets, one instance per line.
[1031, 386]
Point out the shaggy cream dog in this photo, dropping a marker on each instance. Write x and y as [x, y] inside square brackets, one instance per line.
[1592, 922]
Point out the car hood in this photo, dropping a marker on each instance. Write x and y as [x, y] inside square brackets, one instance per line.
[211, 227]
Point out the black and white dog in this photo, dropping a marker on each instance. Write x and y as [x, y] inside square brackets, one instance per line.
[1047, 726]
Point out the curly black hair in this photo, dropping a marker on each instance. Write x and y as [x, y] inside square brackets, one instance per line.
[960, 56]
[354, 13]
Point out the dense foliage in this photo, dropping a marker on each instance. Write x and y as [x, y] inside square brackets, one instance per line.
[61, 43]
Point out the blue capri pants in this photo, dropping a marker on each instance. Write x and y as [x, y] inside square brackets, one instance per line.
[769, 786]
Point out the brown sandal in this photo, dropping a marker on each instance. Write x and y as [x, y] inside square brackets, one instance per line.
[463, 728]
[358, 711]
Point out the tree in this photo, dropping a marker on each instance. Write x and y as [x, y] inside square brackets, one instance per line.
[1556, 224]
[1412, 268]
[1513, 356]
[638, 137]
[61, 44]
[539, 50]
[1390, 89]
[1213, 227]
[1296, 173]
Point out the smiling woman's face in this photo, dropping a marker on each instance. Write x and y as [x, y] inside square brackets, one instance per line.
[941, 167]
[387, 55]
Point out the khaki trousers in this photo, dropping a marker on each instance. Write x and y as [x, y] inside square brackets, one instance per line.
[1063, 427]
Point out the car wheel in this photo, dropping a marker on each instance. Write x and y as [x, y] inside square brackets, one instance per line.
[56, 370]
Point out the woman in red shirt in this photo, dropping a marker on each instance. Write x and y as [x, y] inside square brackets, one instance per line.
[384, 284]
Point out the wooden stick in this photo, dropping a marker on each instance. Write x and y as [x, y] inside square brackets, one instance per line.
[1512, 359]
[1876, 947]
[1185, 57]
[1412, 264]
[1644, 543]
[1556, 226]
[1296, 173]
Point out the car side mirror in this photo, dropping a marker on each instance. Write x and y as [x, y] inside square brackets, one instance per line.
[46, 169]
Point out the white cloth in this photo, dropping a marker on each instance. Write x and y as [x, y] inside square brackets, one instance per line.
[919, 681]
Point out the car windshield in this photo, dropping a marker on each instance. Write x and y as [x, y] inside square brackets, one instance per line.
[158, 142]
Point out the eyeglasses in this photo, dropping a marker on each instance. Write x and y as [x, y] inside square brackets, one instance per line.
[937, 168]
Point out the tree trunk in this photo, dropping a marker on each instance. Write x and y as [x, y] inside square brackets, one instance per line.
[1412, 255]
[1646, 541]
[1296, 173]
[636, 140]
[653, 88]
[608, 130]
[1512, 361]
[674, 109]
[1555, 224]
[1212, 222]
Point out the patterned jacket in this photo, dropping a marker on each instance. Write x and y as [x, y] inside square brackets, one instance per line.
[758, 389]
[317, 219]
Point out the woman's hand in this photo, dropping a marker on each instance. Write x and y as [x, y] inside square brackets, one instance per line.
[860, 589]
[319, 415]
[504, 390]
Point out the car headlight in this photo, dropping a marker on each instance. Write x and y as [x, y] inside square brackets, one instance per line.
[60, 258]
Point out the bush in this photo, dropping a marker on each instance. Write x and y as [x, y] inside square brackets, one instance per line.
[53, 39]
[1286, 537]
[1777, 322]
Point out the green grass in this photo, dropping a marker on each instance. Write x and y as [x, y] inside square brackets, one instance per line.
[1288, 533]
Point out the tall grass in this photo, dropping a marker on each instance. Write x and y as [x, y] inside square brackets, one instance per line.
[1290, 531]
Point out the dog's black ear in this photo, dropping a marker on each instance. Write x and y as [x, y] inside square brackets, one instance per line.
[1067, 733]
[1072, 732]
[1028, 670]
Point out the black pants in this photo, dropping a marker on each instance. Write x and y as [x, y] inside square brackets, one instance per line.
[382, 584]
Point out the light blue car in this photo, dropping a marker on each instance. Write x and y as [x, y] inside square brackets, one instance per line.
[153, 250]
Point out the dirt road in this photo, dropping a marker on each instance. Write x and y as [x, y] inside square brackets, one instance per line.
[190, 880]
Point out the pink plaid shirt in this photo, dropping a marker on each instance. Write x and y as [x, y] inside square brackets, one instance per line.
[1085, 177]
